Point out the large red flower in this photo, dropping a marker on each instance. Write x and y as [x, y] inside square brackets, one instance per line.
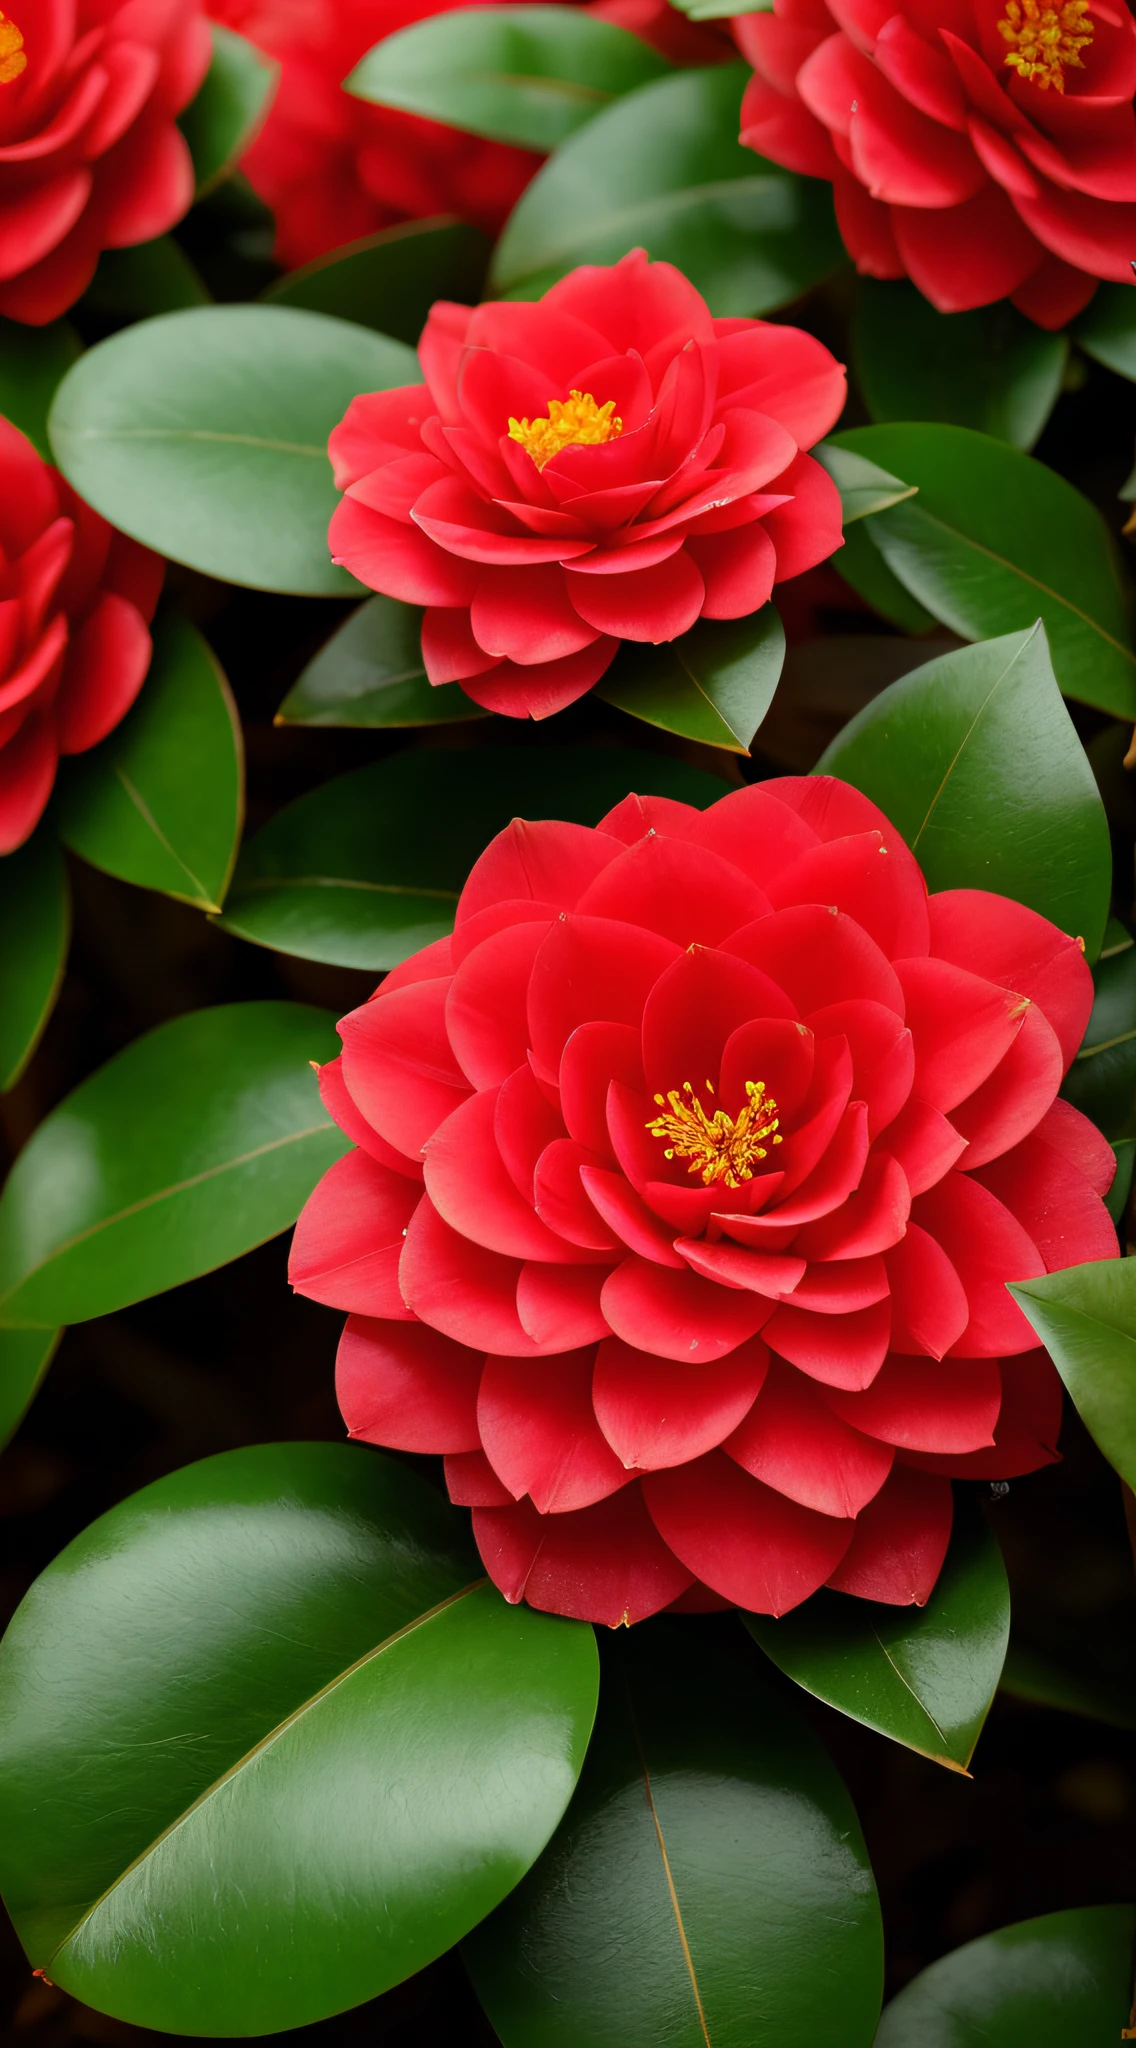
[731, 1137]
[610, 463]
[76, 599]
[90, 155]
[984, 148]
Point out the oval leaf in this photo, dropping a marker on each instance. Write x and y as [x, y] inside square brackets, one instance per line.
[975, 760]
[389, 281]
[35, 929]
[715, 684]
[709, 1884]
[196, 1143]
[1086, 1319]
[992, 369]
[1107, 328]
[664, 168]
[222, 118]
[151, 277]
[33, 361]
[863, 566]
[371, 672]
[925, 1676]
[994, 539]
[364, 871]
[864, 487]
[1102, 1079]
[265, 1749]
[526, 75]
[160, 802]
[204, 434]
[1049, 1983]
[24, 1358]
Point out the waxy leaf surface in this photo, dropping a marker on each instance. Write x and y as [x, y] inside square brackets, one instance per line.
[371, 672]
[389, 281]
[715, 684]
[1086, 1318]
[35, 927]
[991, 369]
[24, 1358]
[233, 99]
[1061, 1981]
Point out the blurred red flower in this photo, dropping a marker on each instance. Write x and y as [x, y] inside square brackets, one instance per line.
[90, 155]
[76, 599]
[732, 1137]
[984, 148]
[608, 463]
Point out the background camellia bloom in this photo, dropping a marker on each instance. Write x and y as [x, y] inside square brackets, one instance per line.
[690, 1174]
[91, 157]
[610, 463]
[984, 148]
[76, 599]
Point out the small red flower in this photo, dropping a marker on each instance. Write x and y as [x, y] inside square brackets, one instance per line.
[90, 155]
[731, 1137]
[76, 599]
[608, 464]
[984, 148]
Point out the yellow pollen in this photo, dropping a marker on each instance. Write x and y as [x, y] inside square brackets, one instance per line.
[1044, 40]
[717, 1147]
[12, 58]
[572, 422]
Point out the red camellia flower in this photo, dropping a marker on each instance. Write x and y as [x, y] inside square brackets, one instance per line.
[90, 155]
[690, 1173]
[984, 148]
[75, 603]
[610, 463]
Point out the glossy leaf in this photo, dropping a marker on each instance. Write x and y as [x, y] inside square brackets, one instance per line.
[708, 1884]
[1086, 1319]
[862, 565]
[204, 434]
[220, 121]
[371, 673]
[991, 369]
[1116, 1200]
[199, 1141]
[367, 869]
[1061, 1981]
[33, 361]
[864, 487]
[35, 928]
[160, 802]
[720, 10]
[925, 1676]
[1071, 1685]
[526, 75]
[664, 168]
[24, 1358]
[975, 760]
[1107, 328]
[314, 1745]
[151, 277]
[1102, 1078]
[389, 281]
[993, 540]
[715, 684]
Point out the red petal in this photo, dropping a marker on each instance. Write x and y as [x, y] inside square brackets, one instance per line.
[588, 969]
[693, 1011]
[840, 1286]
[1008, 944]
[737, 568]
[871, 1220]
[347, 1243]
[103, 671]
[678, 889]
[655, 1413]
[987, 1247]
[485, 1009]
[928, 1300]
[753, 830]
[559, 1306]
[1080, 1143]
[924, 1143]
[472, 1190]
[883, 1055]
[1015, 1098]
[548, 861]
[525, 615]
[842, 1351]
[623, 1211]
[543, 689]
[471, 1482]
[339, 1105]
[679, 1315]
[1054, 1203]
[646, 604]
[819, 957]
[793, 1441]
[402, 1385]
[1025, 1435]
[540, 1435]
[962, 1027]
[595, 1055]
[398, 1065]
[901, 1540]
[606, 1564]
[873, 879]
[467, 1293]
[922, 1404]
[748, 1543]
[398, 559]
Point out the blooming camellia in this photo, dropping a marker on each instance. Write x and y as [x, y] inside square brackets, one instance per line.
[76, 599]
[610, 463]
[91, 157]
[983, 148]
[690, 1173]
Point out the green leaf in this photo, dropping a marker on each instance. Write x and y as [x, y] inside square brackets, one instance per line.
[24, 1358]
[367, 869]
[526, 75]
[1116, 1200]
[1102, 1079]
[992, 369]
[864, 487]
[202, 1139]
[204, 434]
[1061, 1981]
[862, 565]
[720, 10]
[663, 168]
[152, 277]
[975, 760]
[1101, 1695]
[221, 120]
[925, 1676]
[389, 281]
[265, 1750]
[709, 1882]
[715, 684]
[994, 539]
[1107, 328]
[33, 360]
[35, 928]
[371, 673]
[1086, 1319]
[160, 802]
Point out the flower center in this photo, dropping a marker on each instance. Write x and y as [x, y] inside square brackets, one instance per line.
[575, 421]
[717, 1147]
[12, 58]
[1044, 40]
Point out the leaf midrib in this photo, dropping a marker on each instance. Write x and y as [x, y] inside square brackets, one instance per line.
[117, 433]
[643, 209]
[257, 884]
[668, 1874]
[971, 729]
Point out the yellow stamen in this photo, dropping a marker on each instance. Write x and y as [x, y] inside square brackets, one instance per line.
[12, 57]
[575, 421]
[1045, 39]
[717, 1147]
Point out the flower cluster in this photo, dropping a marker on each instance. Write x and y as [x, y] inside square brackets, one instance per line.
[690, 1173]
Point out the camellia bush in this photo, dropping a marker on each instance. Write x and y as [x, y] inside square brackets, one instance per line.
[659, 483]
